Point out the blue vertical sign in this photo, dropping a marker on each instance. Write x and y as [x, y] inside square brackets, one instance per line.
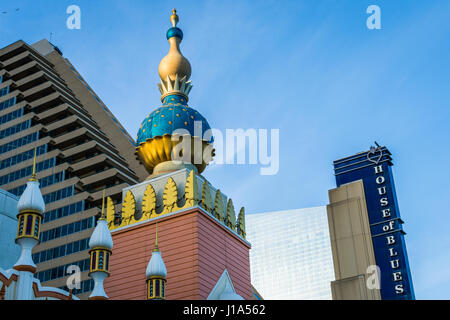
[386, 226]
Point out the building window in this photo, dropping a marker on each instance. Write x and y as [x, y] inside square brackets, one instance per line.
[25, 172]
[83, 245]
[66, 230]
[20, 226]
[15, 129]
[58, 195]
[36, 227]
[107, 262]
[22, 157]
[94, 260]
[11, 116]
[8, 103]
[48, 181]
[151, 289]
[19, 142]
[85, 286]
[29, 224]
[64, 212]
[100, 260]
[4, 91]
[61, 272]
[69, 248]
[44, 182]
[17, 191]
[157, 288]
[77, 226]
[61, 251]
[76, 246]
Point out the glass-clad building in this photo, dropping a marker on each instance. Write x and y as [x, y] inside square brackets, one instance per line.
[291, 257]
[9, 250]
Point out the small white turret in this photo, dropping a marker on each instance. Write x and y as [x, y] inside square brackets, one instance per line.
[156, 274]
[101, 244]
[101, 237]
[30, 207]
[31, 198]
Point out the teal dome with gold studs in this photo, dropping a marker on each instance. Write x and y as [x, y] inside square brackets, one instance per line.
[174, 116]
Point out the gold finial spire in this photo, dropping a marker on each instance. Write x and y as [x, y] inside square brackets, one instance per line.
[174, 69]
[103, 216]
[156, 239]
[174, 18]
[33, 175]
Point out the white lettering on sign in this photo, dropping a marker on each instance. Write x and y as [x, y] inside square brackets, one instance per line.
[378, 169]
[392, 252]
[386, 212]
[399, 289]
[380, 179]
[390, 240]
[397, 276]
[382, 190]
[388, 227]
[395, 264]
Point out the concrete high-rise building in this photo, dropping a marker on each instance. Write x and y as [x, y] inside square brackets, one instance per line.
[291, 255]
[45, 105]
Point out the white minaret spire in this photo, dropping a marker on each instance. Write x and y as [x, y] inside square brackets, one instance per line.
[101, 244]
[30, 207]
[156, 274]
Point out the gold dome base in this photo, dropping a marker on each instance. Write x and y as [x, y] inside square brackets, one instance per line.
[162, 149]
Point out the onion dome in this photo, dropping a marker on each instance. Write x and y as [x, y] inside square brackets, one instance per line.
[154, 138]
[172, 115]
[31, 199]
[101, 237]
[156, 266]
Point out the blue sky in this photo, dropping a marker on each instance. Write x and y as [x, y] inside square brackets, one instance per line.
[309, 68]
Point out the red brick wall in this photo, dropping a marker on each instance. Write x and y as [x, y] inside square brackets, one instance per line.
[217, 250]
[196, 250]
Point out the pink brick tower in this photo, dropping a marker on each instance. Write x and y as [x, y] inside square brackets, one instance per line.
[201, 243]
